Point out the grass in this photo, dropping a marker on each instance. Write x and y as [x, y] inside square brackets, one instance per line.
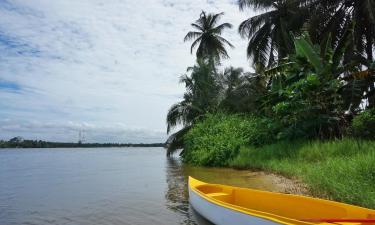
[343, 170]
[218, 138]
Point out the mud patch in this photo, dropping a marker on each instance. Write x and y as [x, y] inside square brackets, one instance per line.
[278, 183]
[248, 179]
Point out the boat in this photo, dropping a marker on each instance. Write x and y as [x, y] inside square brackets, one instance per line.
[227, 205]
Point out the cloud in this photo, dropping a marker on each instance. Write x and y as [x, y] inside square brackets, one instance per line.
[98, 63]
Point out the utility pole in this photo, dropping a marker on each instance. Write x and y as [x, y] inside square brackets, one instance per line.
[81, 136]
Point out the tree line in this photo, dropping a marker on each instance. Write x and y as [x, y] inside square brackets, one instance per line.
[18, 142]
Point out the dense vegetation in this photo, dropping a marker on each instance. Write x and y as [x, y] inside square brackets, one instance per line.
[313, 84]
[219, 137]
[18, 142]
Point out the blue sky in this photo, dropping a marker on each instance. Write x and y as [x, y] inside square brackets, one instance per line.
[108, 67]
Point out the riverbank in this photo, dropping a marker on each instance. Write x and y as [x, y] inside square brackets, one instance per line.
[281, 183]
[339, 170]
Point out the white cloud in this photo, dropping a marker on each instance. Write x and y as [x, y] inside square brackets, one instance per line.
[100, 63]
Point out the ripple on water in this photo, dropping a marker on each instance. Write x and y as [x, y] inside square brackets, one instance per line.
[103, 186]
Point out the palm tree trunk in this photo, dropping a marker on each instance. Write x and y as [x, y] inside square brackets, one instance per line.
[371, 95]
[369, 44]
[369, 52]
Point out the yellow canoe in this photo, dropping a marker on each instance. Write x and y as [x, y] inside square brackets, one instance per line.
[226, 205]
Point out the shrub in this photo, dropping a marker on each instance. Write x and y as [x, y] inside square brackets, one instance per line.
[217, 139]
[363, 125]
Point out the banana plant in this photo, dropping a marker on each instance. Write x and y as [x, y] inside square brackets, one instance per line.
[306, 91]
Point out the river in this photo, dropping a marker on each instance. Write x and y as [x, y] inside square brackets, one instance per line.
[100, 186]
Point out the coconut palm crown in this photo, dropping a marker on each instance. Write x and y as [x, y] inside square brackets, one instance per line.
[207, 37]
[268, 33]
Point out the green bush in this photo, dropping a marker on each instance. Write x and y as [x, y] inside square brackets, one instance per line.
[217, 139]
[363, 125]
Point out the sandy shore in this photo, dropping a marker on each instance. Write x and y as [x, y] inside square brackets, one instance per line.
[281, 184]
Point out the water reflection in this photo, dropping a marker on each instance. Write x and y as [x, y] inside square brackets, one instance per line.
[177, 193]
[177, 185]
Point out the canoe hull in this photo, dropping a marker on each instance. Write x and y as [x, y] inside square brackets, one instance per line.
[222, 204]
[223, 216]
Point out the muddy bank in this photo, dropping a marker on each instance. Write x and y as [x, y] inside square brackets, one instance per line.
[248, 179]
[282, 184]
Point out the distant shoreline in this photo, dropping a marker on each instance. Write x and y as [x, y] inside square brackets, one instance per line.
[17, 143]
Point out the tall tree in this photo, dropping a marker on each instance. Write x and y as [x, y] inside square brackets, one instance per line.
[269, 32]
[241, 90]
[358, 15]
[269, 38]
[207, 37]
[201, 97]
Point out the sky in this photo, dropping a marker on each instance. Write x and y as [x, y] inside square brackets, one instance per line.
[107, 67]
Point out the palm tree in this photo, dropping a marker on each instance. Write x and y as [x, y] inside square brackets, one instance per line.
[201, 97]
[269, 32]
[231, 78]
[357, 13]
[363, 16]
[359, 16]
[208, 37]
[241, 90]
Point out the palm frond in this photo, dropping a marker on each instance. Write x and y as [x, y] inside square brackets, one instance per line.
[175, 115]
[248, 27]
[255, 4]
[214, 18]
[258, 47]
[192, 35]
[221, 27]
[198, 27]
[194, 44]
[225, 41]
[176, 141]
[342, 45]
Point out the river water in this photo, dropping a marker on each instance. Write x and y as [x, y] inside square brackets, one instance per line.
[99, 186]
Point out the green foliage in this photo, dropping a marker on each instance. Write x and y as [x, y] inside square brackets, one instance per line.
[201, 97]
[218, 138]
[268, 31]
[342, 170]
[176, 141]
[309, 85]
[208, 91]
[305, 94]
[363, 125]
[309, 89]
[241, 91]
[347, 26]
